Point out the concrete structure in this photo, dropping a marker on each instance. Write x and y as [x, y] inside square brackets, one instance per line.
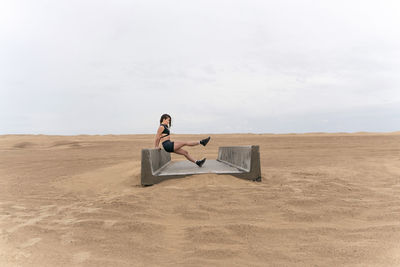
[239, 161]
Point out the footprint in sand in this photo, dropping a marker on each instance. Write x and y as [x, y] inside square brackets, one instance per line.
[28, 222]
[109, 223]
[31, 242]
[81, 257]
[18, 207]
[67, 238]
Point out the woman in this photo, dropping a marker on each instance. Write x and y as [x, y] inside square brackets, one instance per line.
[176, 146]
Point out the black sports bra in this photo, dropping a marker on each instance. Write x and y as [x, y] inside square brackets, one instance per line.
[166, 130]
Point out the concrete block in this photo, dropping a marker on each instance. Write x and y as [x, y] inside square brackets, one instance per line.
[245, 158]
[239, 161]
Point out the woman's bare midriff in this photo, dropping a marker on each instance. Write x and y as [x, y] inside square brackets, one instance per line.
[165, 138]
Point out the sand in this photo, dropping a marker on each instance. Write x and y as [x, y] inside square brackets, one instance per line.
[324, 200]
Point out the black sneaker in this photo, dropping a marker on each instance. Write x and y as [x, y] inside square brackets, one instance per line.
[200, 162]
[205, 141]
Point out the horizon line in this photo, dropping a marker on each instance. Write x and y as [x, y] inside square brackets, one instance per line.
[290, 133]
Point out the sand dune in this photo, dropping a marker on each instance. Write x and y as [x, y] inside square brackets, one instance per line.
[325, 200]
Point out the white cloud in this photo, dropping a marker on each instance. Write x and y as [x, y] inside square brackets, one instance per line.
[117, 66]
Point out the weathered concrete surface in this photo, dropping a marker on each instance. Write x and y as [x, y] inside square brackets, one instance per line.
[239, 161]
[245, 158]
[188, 168]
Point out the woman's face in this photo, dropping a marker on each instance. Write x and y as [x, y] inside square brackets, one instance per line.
[167, 120]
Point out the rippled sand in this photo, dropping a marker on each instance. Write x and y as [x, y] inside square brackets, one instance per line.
[324, 200]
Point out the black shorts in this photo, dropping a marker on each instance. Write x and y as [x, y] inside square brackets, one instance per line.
[168, 146]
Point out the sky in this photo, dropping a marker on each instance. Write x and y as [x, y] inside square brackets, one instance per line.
[72, 67]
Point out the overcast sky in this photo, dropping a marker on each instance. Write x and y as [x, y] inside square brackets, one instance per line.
[114, 67]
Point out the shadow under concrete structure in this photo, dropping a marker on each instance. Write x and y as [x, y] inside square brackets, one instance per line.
[239, 161]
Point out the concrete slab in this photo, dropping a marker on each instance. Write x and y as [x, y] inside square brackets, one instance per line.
[239, 161]
[189, 168]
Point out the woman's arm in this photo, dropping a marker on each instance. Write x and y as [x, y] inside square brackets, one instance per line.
[158, 136]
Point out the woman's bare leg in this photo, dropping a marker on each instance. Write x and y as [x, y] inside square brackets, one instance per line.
[179, 144]
[186, 154]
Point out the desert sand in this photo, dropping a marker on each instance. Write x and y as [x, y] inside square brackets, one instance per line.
[324, 200]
